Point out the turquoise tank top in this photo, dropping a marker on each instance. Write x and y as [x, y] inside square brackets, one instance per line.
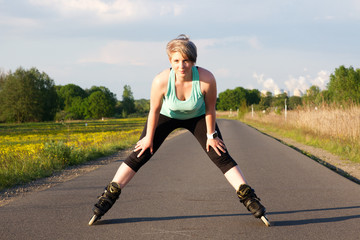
[192, 107]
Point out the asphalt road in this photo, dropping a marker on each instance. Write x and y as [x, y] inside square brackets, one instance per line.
[180, 194]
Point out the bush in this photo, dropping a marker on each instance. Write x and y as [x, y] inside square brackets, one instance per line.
[58, 154]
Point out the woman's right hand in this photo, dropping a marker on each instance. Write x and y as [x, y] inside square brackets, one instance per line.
[144, 144]
[158, 90]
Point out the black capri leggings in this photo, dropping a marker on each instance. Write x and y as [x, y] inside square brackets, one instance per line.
[197, 126]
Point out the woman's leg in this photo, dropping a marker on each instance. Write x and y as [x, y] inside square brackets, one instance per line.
[235, 177]
[224, 162]
[132, 164]
[231, 172]
[165, 126]
[128, 169]
[123, 175]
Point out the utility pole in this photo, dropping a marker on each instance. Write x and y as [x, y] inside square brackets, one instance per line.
[285, 110]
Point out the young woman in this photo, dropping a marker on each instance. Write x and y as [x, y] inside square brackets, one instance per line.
[183, 96]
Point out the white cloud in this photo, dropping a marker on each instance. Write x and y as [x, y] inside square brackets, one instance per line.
[116, 10]
[171, 9]
[267, 84]
[128, 53]
[251, 41]
[303, 83]
[18, 22]
[356, 5]
[294, 84]
[321, 80]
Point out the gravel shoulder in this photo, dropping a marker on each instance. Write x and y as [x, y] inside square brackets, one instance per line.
[344, 167]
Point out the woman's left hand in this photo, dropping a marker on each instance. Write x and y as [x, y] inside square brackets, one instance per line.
[144, 144]
[217, 144]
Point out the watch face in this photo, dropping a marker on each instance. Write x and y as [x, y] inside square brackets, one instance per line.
[215, 135]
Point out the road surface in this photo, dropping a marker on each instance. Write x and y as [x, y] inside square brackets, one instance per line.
[180, 194]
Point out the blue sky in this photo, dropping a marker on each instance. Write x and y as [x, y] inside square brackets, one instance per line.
[266, 45]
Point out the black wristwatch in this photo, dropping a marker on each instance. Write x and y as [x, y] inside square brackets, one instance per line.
[213, 135]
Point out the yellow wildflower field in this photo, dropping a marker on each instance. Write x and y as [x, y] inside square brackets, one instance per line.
[32, 150]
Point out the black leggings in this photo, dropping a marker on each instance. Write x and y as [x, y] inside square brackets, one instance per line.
[197, 126]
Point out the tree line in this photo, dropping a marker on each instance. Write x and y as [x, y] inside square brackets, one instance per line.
[343, 88]
[32, 96]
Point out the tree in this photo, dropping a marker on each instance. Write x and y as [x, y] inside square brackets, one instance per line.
[323, 97]
[279, 101]
[111, 96]
[78, 108]
[99, 105]
[128, 102]
[224, 100]
[142, 106]
[2, 78]
[232, 99]
[28, 95]
[253, 97]
[311, 95]
[266, 101]
[77, 103]
[68, 93]
[294, 101]
[344, 85]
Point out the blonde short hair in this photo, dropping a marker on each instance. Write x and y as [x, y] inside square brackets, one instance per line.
[183, 45]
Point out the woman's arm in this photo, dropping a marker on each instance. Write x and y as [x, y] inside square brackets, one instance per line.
[158, 90]
[208, 87]
[210, 102]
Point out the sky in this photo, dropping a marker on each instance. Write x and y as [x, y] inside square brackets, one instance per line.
[265, 45]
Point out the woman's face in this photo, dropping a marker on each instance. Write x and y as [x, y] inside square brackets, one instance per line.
[181, 65]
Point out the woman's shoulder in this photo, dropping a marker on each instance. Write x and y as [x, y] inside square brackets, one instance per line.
[160, 82]
[205, 75]
[162, 78]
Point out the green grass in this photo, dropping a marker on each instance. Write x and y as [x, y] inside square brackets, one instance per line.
[346, 150]
[36, 150]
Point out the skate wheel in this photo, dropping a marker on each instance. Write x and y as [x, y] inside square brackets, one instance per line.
[93, 219]
[266, 221]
